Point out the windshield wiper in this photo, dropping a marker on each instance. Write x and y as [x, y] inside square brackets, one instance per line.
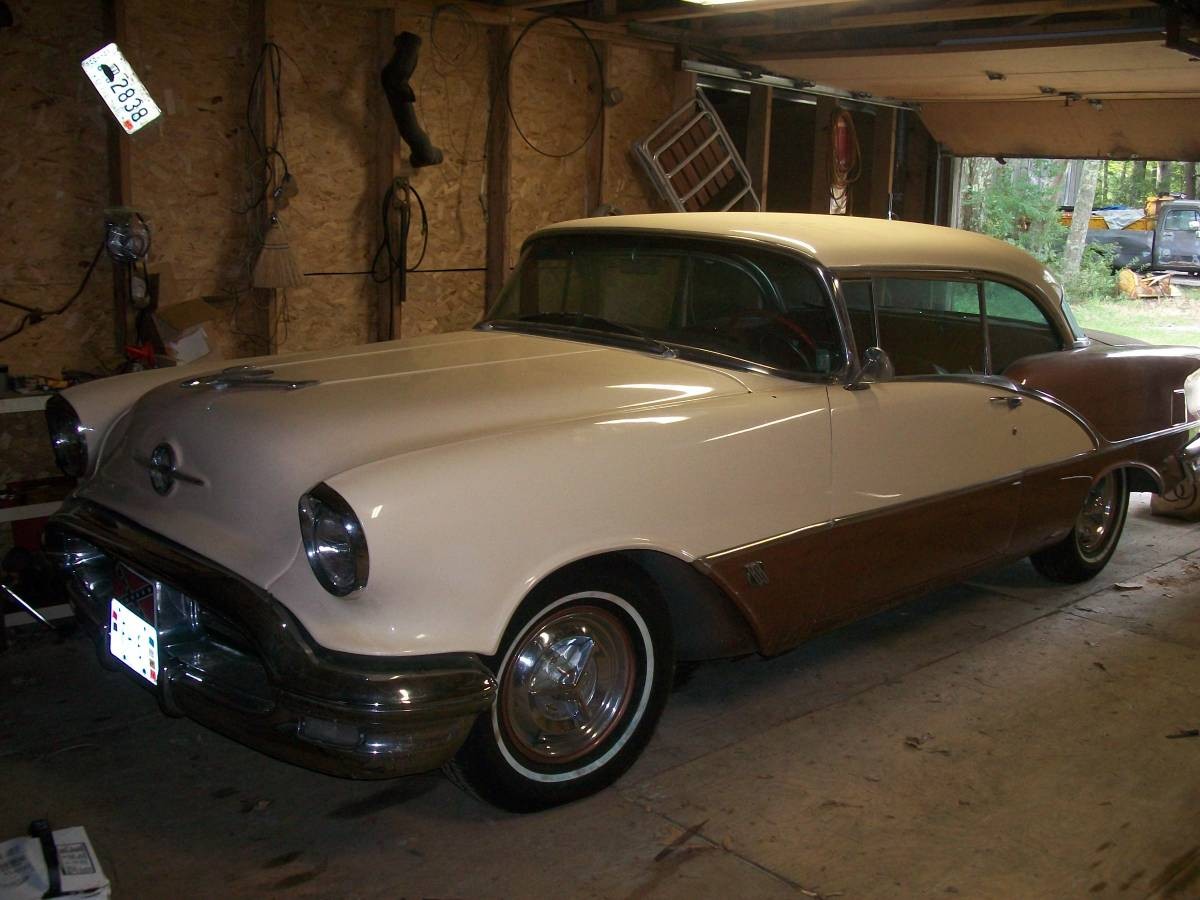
[614, 333]
[582, 320]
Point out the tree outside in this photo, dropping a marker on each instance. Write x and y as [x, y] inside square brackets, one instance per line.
[1019, 201]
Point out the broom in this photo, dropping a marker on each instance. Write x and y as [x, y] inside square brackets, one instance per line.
[276, 267]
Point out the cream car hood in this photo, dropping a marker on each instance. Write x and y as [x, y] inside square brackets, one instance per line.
[255, 449]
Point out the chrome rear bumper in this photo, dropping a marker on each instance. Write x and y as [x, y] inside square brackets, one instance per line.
[233, 658]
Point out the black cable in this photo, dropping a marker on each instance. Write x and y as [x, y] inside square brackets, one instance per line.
[270, 58]
[395, 250]
[411, 271]
[33, 316]
[424, 230]
[503, 81]
[270, 63]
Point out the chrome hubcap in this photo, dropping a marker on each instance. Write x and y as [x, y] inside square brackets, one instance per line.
[568, 684]
[1097, 518]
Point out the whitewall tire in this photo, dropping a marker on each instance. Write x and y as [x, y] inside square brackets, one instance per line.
[582, 675]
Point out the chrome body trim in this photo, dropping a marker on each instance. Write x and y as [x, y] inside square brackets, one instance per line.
[999, 381]
[1163, 432]
[768, 540]
[1188, 456]
[1015, 478]
[233, 658]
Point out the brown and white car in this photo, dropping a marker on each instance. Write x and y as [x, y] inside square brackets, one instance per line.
[674, 437]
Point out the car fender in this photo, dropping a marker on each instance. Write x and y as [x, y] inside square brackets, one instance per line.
[458, 535]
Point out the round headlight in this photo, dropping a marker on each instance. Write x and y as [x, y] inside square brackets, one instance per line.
[334, 541]
[66, 437]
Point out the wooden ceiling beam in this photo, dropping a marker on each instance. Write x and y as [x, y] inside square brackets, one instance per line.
[697, 11]
[490, 14]
[938, 13]
[1037, 8]
[938, 36]
[789, 53]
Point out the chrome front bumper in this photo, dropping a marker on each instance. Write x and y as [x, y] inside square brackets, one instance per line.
[233, 658]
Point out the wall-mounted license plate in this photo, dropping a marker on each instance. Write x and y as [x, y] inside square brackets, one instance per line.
[121, 89]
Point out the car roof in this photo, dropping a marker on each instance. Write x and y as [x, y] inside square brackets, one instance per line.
[842, 243]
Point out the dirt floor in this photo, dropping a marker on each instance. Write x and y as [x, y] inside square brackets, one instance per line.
[1007, 738]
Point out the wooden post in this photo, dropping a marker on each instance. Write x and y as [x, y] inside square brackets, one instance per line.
[819, 196]
[684, 88]
[498, 165]
[120, 182]
[387, 306]
[758, 140]
[262, 32]
[883, 163]
[597, 148]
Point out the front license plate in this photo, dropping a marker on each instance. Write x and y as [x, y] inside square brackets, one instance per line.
[121, 89]
[132, 636]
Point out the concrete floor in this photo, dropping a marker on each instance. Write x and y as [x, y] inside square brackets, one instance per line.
[1008, 738]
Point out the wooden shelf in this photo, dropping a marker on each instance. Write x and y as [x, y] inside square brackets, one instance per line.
[27, 403]
[28, 511]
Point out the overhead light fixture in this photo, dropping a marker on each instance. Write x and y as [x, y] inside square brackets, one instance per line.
[719, 2]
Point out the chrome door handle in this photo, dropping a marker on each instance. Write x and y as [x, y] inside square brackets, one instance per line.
[1012, 402]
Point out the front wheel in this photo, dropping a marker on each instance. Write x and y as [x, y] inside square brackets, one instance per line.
[1087, 549]
[582, 675]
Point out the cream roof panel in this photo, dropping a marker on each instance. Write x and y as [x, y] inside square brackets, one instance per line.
[842, 242]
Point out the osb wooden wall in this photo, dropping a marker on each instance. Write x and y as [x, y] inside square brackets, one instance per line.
[647, 82]
[330, 100]
[192, 170]
[453, 90]
[53, 168]
[554, 99]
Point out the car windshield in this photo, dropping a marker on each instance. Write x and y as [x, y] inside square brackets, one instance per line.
[744, 303]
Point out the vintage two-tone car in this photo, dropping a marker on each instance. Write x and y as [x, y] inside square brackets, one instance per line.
[674, 437]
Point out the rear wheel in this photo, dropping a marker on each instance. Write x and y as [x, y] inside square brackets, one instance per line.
[1087, 549]
[582, 676]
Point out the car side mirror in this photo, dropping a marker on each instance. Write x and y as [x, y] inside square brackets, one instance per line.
[876, 367]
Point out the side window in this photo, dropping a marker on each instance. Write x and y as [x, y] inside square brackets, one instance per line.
[930, 326]
[1017, 326]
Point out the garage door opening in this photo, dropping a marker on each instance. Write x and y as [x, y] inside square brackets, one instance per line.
[1133, 270]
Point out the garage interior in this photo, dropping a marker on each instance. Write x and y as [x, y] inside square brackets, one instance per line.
[1003, 738]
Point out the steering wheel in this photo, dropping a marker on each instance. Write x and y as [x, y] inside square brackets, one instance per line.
[760, 318]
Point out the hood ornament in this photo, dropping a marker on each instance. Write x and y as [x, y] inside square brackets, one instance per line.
[247, 377]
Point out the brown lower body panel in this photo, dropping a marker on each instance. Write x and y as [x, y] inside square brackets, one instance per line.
[829, 575]
[807, 583]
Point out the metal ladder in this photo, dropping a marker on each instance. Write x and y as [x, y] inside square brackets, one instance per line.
[693, 163]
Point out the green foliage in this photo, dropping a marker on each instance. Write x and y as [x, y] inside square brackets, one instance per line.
[1017, 203]
[1095, 279]
[1130, 183]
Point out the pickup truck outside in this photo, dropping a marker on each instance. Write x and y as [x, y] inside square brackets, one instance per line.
[1171, 244]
